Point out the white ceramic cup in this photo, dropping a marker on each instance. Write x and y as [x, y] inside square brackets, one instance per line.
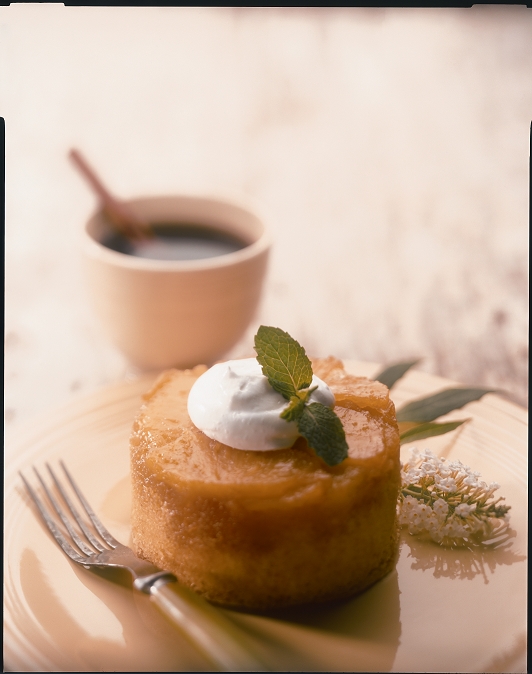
[178, 313]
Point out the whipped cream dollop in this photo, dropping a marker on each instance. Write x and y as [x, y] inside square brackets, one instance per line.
[234, 403]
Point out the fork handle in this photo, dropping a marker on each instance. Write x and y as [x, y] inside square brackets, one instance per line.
[218, 639]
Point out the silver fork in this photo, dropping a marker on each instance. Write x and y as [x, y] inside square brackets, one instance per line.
[214, 635]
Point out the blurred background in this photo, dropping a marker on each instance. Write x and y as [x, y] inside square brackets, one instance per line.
[386, 149]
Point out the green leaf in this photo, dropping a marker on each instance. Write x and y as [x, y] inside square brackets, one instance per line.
[294, 409]
[289, 371]
[429, 430]
[283, 360]
[390, 375]
[323, 432]
[296, 404]
[434, 406]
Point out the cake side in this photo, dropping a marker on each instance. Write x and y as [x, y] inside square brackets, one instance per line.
[262, 529]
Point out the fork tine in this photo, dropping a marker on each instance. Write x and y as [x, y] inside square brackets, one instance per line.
[64, 544]
[68, 525]
[88, 533]
[104, 533]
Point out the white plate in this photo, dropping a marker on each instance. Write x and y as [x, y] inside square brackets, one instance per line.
[441, 610]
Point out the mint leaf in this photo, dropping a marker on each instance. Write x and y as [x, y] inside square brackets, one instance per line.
[390, 375]
[428, 430]
[296, 404]
[324, 433]
[294, 409]
[283, 361]
[289, 371]
[434, 406]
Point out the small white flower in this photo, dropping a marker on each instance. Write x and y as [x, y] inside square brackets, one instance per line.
[412, 476]
[440, 507]
[424, 512]
[455, 528]
[457, 466]
[465, 509]
[446, 484]
[471, 481]
[428, 468]
[433, 524]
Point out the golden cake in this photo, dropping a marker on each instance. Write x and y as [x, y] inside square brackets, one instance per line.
[263, 529]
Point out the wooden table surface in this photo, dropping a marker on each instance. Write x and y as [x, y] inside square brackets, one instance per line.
[386, 149]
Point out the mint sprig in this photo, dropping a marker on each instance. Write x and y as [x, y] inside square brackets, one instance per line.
[289, 371]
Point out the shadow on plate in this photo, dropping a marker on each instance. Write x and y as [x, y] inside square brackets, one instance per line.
[141, 640]
[464, 563]
[373, 614]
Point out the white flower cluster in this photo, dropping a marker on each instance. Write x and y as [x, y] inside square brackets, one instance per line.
[448, 501]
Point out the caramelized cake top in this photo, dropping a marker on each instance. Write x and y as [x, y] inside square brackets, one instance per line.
[165, 438]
